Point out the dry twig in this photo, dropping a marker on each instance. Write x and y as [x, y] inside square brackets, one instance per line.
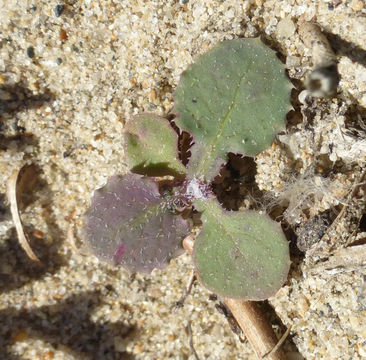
[13, 192]
[187, 290]
[345, 260]
[278, 345]
[191, 345]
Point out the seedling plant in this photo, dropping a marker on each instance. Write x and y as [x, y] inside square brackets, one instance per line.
[233, 99]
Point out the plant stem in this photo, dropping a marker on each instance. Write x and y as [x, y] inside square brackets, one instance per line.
[251, 320]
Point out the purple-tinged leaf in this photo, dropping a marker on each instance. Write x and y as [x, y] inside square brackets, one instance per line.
[130, 224]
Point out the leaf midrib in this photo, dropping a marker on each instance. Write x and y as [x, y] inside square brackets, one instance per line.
[144, 214]
[228, 234]
[221, 125]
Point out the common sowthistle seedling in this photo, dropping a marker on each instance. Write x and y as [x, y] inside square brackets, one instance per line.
[233, 99]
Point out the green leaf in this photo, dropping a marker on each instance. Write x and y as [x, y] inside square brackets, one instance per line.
[240, 254]
[233, 99]
[152, 147]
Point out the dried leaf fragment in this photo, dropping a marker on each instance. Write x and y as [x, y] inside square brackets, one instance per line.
[13, 191]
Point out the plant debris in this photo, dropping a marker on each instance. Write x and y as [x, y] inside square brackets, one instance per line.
[352, 258]
[191, 345]
[15, 186]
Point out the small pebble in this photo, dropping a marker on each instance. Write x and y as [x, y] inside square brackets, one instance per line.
[285, 28]
[137, 349]
[30, 52]
[292, 61]
[59, 10]
[48, 355]
[357, 5]
[63, 35]
[38, 234]
[362, 350]
[58, 61]
[20, 336]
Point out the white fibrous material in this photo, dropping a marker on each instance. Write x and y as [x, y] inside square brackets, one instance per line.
[310, 192]
[196, 189]
[347, 147]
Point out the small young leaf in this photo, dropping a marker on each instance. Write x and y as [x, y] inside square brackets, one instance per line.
[233, 99]
[240, 254]
[129, 223]
[152, 146]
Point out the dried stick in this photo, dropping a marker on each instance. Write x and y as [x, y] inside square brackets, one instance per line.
[251, 320]
[191, 345]
[279, 344]
[187, 290]
[344, 260]
[13, 200]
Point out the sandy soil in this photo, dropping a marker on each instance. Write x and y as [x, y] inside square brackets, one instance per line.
[71, 75]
